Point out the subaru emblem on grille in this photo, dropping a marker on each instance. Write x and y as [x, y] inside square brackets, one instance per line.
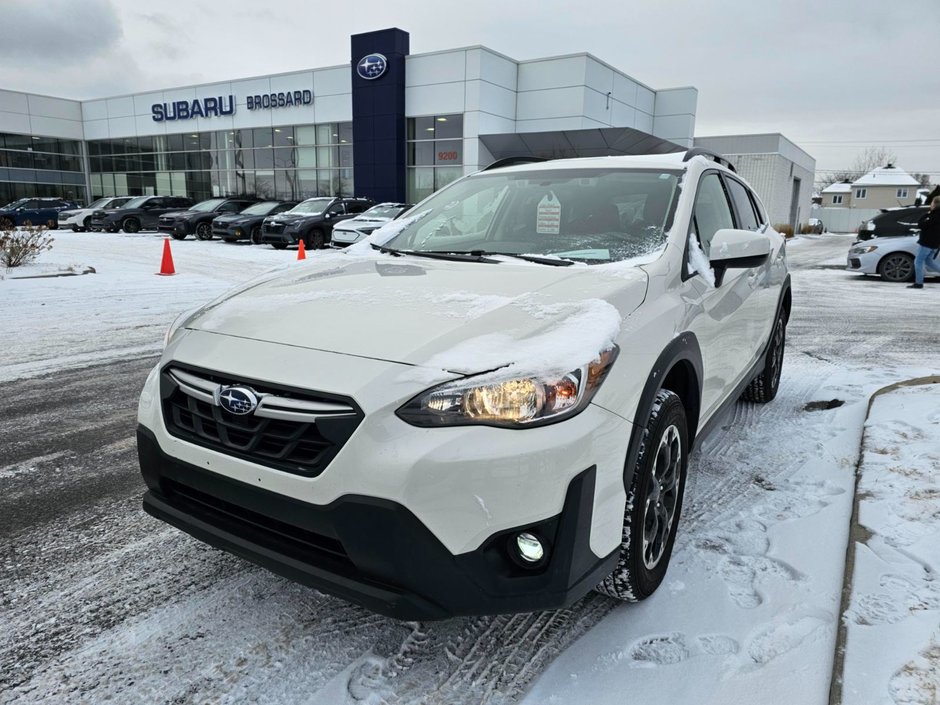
[237, 400]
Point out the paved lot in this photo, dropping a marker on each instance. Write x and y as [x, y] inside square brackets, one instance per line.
[97, 600]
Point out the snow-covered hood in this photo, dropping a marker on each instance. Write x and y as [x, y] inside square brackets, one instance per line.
[232, 218]
[459, 316]
[293, 217]
[184, 214]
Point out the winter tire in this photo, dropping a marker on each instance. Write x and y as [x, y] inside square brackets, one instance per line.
[86, 224]
[763, 388]
[178, 236]
[130, 225]
[6, 224]
[279, 245]
[52, 224]
[315, 240]
[256, 235]
[654, 502]
[204, 231]
[897, 267]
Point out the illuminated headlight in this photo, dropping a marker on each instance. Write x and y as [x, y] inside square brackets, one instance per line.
[513, 402]
[863, 250]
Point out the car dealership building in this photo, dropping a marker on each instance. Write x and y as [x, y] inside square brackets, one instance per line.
[388, 125]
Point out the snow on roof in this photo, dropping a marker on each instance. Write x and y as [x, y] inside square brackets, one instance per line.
[888, 175]
[840, 187]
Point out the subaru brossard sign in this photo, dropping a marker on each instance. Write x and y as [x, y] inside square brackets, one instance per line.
[217, 106]
[371, 66]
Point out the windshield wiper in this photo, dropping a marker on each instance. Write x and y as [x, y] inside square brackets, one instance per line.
[453, 255]
[385, 250]
[551, 261]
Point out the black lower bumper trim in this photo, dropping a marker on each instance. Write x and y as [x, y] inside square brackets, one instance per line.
[372, 551]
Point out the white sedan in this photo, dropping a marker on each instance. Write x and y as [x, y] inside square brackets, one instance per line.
[892, 258]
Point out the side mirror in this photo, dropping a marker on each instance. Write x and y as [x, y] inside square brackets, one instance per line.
[737, 249]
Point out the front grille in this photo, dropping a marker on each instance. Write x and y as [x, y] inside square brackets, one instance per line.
[274, 228]
[296, 431]
[296, 541]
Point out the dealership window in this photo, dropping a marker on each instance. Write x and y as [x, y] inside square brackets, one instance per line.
[33, 165]
[435, 153]
[286, 162]
[902, 193]
[837, 200]
[861, 193]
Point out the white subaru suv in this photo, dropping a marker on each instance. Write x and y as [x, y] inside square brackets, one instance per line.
[489, 405]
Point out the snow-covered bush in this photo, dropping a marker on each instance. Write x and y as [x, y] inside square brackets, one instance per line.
[23, 245]
[784, 229]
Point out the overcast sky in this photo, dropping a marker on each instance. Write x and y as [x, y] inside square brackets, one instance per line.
[834, 77]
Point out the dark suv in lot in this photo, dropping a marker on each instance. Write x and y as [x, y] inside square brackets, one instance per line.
[140, 213]
[891, 222]
[198, 219]
[311, 221]
[247, 224]
[34, 211]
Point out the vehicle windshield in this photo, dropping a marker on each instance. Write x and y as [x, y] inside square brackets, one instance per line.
[262, 208]
[590, 215]
[101, 202]
[135, 202]
[382, 211]
[313, 206]
[206, 206]
[17, 204]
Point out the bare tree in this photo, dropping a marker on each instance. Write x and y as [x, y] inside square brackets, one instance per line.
[924, 179]
[870, 158]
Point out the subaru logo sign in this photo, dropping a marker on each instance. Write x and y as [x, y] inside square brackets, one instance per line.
[372, 66]
[237, 400]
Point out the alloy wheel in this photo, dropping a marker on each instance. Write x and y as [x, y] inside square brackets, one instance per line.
[662, 497]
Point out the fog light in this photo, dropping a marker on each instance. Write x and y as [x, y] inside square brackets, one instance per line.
[529, 547]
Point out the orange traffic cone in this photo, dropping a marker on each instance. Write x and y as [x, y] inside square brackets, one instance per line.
[166, 266]
[301, 250]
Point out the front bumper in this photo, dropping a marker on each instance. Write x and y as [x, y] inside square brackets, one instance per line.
[456, 493]
[286, 237]
[73, 220]
[375, 552]
[179, 227]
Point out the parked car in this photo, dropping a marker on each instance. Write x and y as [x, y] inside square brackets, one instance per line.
[34, 211]
[79, 220]
[198, 218]
[491, 411]
[247, 224]
[890, 257]
[139, 213]
[311, 221]
[816, 226]
[364, 224]
[891, 222]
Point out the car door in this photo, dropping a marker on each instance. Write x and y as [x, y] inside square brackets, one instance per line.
[337, 212]
[30, 213]
[728, 311]
[151, 211]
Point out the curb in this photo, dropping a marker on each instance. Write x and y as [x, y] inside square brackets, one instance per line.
[858, 534]
[85, 270]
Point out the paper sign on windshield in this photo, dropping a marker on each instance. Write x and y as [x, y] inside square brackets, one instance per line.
[548, 218]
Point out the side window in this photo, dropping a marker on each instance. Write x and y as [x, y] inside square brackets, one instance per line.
[230, 207]
[178, 203]
[356, 206]
[747, 220]
[337, 209]
[156, 203]
[283, 207]
[31, 205]
[712, 211]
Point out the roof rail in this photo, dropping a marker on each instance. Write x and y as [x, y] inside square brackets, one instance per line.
[512, 161]
[714, 156]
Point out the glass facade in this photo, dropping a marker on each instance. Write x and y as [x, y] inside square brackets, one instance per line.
[31, 165]
[435, 154]
[289, 162]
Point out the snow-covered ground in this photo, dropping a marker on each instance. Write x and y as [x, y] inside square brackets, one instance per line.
[136, 612]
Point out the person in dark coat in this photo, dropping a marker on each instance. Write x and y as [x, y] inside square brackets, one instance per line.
[928, 251]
